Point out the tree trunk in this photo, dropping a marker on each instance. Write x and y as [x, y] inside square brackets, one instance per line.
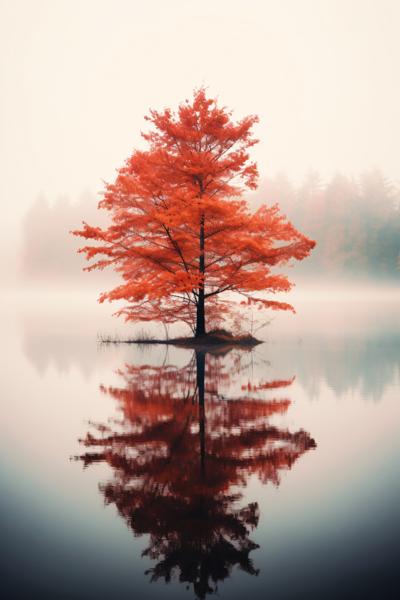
[200, 380]
[200, 315]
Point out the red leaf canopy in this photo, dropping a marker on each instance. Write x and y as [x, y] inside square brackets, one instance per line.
[181, 233]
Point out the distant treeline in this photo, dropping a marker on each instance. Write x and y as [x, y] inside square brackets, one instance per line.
[356, 223]
[49, 252]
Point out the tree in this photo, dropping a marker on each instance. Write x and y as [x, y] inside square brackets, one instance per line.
[182, 234]
[181, 451]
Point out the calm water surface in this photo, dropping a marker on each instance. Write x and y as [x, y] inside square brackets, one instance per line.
[155, 473]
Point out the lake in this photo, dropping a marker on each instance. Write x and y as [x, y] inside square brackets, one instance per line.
[159, 473]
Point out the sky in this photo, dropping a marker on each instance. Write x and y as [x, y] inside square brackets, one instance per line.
[78, 76]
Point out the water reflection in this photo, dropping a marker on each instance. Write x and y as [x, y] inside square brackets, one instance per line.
[366, 362]
[185, 445]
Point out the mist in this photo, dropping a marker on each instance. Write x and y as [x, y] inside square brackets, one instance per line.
[77, 79]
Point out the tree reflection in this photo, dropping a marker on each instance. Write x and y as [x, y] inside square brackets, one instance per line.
[181, 452]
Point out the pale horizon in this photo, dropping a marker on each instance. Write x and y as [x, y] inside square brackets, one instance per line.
[78, 78]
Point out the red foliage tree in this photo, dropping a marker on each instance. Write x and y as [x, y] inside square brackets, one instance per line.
[181, 233]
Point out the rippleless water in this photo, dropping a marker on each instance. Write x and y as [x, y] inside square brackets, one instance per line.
[158, 473]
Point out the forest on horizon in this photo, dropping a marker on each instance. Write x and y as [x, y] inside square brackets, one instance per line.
[355, 222]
